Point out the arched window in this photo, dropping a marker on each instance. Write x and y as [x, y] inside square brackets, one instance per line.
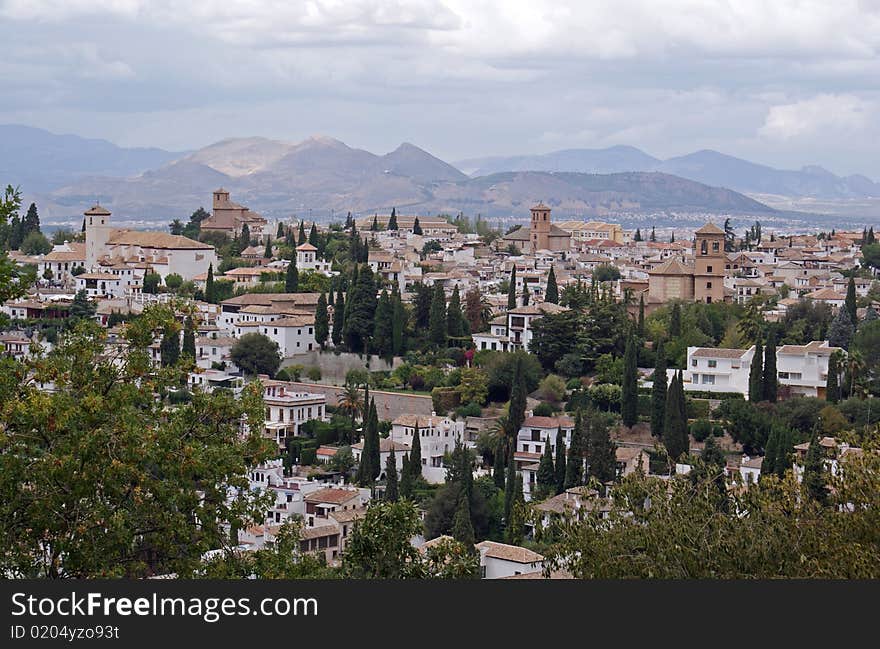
[704, 247]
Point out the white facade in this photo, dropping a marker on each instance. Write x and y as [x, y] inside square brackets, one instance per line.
[437, 436]
[718, 370]
[804, 368]
[287, 409]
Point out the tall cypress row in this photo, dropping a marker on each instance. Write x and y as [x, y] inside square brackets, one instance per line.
[658, 393]
[629, 396]
[552, 292]
[511, 290]
[574, 467]
[771, 383]
[559, 465]
[756, 374]
[391, 487]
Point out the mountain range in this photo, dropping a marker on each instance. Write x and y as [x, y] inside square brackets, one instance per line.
[321, 176]
[706, 166]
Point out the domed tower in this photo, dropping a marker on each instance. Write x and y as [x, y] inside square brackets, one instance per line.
[709, 258]
[98, 231]
[540, 227]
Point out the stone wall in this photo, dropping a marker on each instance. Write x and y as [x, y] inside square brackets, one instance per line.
[389, 405]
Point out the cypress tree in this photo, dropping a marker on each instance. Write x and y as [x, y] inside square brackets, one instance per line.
[602, 457]
[391, 488]
[768, 466]
[244, 237]
[871, 238]
[675, 321]
[514, 529]
[546, 473]
[841, 330]
[291, 279]
[392, 222]
[375, 451]
[398, 318]
[516, 410]
[302, 234]
[756, 374]
[629, 396]
[267, 253]
[360, 311]
[279, 233]
[574, 467]
[374, 227]
[814, 471]
[498, 465]
[771, 384]
[640, 323]
[169, 347]
[406, 478]
[417, 228]
[437, 330]
[415, 454]
[674, 426]
[322, 321]
[832, 384]
[850, 302]
[511, 290]
[313, 236]
[658, 393]
[338, 319]
[653, 234]
[454, 318]
[210, 294]
[462, 527]
[638, 235]
[526, 296]
[382, 332]
[189, 339]
[552, 292]
[559, 465]
[509, 484]
[784, 446]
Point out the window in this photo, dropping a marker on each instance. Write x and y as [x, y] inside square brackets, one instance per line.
[715, 246]
[708, 379]
[708, 284]
[693, 362]
[708, 269]
[713, 363]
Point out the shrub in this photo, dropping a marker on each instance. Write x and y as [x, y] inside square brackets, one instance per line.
[314, 373]
[701, 429]
[544, 409]
[444, 399]
[470, 410]
[697, 408]
[552, 388]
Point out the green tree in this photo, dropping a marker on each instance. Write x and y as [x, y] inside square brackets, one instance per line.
[398, 321]
[383, 331]
[35, 243]
[338, 319]
[322, 321]
[392, 222]
[244, 237]
[640, 323]
[756, 374]
[291, 277]
[675, 321]
[850, 302]
[151, 282]
[456, 325]
[417, 228]
[770, 382]
[832, 383]
[559, 464]
[552, 292]
[256, 354]
[169, 347]
[302, 234]
[210, 289]
[499, 463]
[814, 471]
[574, 468]
[267, 253]
[601, 454]
[546, 474]
[462, 526]
[675, 431]
[406, 478]
[189, 339]
[511, 289]
[82, 308]
[360, 311]
[120, 462]
[391, 487]
[438, 324]
[415, 455]
[629, 399]
[842, 330]
[313, 236]
[658, 393]
[526, 296]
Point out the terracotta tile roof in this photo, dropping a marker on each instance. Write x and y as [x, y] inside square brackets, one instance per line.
[507, 552]
[718, 352]
[330, 495]
[709, 228]
[156, 240]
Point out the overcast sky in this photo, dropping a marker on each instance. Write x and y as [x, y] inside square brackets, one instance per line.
[783, 82]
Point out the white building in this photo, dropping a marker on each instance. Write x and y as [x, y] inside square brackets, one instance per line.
[307, 259]
[499, 560]
[101, 285]
[293, 334]
[288, 409]
[164, 253]
[517, 328]
[437, 436]
[804, 368]
[61, 261]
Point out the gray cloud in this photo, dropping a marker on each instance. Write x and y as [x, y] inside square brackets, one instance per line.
[790, 82]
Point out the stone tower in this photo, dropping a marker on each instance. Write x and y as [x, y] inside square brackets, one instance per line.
[709, 258]
[98, 231]
[540, 227]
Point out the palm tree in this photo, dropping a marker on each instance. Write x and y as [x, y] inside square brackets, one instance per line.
[351, 404]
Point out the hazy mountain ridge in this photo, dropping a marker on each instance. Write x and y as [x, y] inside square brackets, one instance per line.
[705, 166]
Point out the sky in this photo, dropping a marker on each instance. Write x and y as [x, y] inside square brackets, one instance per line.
[786, 83]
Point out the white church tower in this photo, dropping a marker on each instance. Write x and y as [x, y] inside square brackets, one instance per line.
[98, 231]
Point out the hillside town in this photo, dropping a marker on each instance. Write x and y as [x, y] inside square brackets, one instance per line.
[484, 390]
